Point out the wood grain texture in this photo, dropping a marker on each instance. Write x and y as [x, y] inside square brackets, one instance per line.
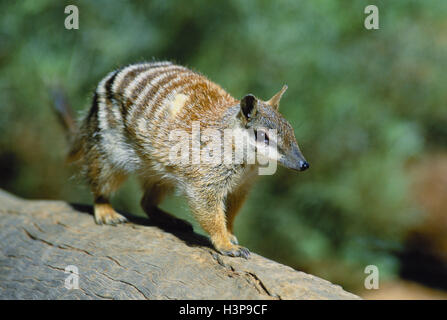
[39, 239]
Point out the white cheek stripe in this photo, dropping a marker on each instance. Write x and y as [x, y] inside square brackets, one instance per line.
[270, 152]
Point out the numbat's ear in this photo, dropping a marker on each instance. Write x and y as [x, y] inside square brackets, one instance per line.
[248, 106]
[274, 101]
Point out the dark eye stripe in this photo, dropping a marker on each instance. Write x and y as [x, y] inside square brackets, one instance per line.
[266, 137]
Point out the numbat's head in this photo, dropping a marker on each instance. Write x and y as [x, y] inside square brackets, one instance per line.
[273, 134]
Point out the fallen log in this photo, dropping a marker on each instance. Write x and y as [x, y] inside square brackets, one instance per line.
[54, 250]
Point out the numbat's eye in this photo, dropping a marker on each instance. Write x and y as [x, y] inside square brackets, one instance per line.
[261, 136]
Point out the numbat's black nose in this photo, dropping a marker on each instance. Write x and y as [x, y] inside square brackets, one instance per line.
[304, 165]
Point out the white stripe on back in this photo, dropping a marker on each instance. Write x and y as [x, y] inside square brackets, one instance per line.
[123, 73]
[129, 90]
[100, 90]
[142, 96]
[171, 94]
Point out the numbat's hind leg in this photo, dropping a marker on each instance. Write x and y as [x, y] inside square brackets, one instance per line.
[105, 214]
[104, 181]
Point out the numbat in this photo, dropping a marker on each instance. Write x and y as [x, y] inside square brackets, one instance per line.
[127, 130]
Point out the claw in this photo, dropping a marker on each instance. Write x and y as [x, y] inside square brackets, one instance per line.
[122, 219]
[238, 252]
[245, 253]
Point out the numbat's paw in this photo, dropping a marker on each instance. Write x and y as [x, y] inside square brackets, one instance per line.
[233, 239]
[238, 251]
[104, 214]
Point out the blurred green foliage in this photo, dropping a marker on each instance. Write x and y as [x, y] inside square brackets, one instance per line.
[362, 102]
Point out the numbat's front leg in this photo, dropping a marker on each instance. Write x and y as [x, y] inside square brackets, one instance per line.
[212, 220]
[234, 203]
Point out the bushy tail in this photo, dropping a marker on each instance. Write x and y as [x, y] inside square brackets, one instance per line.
[64, 113]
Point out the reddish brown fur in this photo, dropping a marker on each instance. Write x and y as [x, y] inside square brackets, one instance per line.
[127, 131]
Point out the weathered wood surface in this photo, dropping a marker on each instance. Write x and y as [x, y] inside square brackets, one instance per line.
[39, 239]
